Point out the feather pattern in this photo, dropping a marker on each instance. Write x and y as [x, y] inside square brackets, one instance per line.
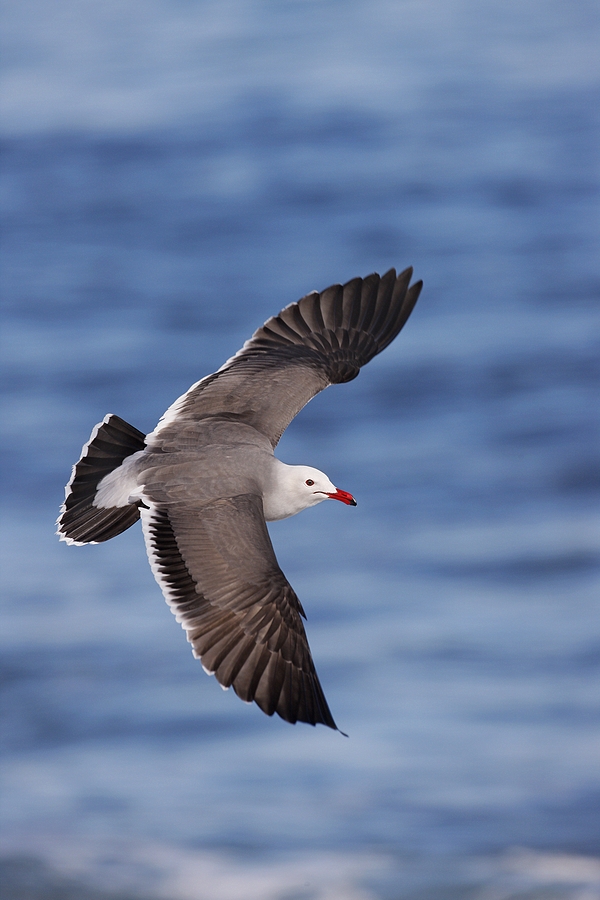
[325, 338]
[240, 613]
[80, 522]
[204, 479]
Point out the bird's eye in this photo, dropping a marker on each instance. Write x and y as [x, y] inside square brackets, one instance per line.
[309, 482]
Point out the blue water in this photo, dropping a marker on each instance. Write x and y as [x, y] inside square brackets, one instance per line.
[172, 175]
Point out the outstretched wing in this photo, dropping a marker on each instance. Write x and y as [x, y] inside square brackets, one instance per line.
[217, 569]
[322, 339]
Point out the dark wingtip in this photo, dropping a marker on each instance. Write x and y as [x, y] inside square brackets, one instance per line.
[414, 291]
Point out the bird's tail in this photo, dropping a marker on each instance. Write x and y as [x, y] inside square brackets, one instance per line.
[80, 522]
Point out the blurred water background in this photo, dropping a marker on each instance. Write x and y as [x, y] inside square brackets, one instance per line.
[175, 172]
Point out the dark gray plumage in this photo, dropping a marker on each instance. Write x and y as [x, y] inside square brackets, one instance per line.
[205, 481]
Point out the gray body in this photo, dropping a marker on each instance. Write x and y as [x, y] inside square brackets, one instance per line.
[206, 480]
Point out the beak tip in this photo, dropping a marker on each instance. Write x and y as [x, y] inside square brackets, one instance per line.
[343, 496]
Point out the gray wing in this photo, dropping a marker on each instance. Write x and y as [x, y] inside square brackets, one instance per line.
[217, 569]
[322, 339]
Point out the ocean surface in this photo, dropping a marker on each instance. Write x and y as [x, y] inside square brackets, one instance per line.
[174, 173]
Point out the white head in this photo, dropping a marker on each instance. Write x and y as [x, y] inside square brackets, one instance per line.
[296, 488]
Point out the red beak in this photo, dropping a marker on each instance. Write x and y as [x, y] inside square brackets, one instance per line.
[344, 496]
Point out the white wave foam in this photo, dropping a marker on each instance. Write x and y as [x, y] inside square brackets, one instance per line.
[157, 870]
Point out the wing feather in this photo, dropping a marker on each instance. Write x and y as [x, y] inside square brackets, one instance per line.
[218, 572]
[325, 338]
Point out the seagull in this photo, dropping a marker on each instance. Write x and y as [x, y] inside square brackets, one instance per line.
[206, 481]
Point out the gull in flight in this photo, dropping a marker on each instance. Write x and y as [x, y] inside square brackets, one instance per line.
[206, 481]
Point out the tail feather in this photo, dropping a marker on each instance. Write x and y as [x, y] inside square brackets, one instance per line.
[80, 522]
